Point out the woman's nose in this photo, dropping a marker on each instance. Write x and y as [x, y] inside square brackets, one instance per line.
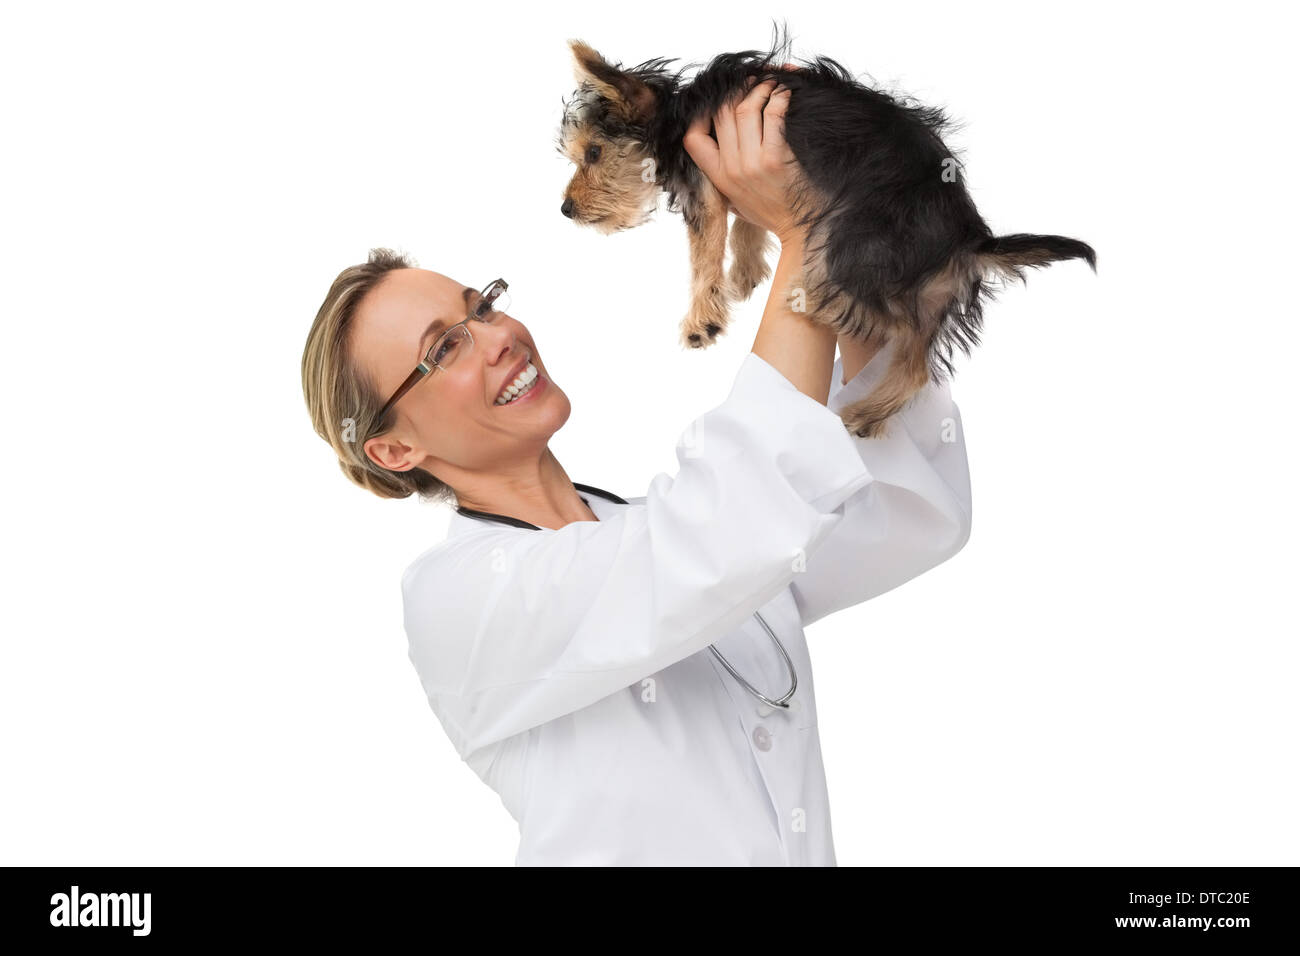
[497, 338]
[566, 208]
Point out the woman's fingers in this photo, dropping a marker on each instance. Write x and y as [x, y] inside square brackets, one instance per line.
[724, 127]
[741, 129]
[702, 147]
[749, 125]
[775, 150]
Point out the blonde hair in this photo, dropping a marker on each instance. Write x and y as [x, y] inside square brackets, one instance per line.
[342, 400]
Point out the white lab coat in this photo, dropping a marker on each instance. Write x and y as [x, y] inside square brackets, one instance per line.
[570, 668]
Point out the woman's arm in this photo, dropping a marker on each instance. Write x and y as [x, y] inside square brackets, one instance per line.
[915, 513]
[802, 350]
[913, 516]
[510, 628]
[754, 168]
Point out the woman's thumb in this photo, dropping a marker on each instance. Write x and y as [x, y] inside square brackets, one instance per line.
[702, 147]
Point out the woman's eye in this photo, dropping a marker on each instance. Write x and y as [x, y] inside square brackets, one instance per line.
[593, 153]
[444, 351]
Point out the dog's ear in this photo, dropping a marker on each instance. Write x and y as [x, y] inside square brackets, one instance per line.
[629, 97]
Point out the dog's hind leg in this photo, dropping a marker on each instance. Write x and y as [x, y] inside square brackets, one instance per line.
[907, 374]
[706, 224]
[749, 248]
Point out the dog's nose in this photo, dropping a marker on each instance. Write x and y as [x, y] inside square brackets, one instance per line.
[566, 208]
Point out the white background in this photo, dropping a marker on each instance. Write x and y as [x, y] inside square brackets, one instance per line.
[203, 653]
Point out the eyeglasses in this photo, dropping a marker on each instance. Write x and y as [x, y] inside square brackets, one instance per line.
[488, 307]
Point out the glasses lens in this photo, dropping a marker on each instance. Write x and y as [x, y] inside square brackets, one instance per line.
[493, 306]
[452, 344]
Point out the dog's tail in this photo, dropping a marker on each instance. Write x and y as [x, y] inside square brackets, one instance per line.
[1009, 255]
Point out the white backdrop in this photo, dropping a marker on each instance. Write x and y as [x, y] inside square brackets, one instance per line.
[203, 653]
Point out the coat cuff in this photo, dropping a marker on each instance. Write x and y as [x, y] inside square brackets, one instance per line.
[817, 454]
[842, 394]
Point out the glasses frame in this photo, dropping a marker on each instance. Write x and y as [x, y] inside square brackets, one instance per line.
[490, 293]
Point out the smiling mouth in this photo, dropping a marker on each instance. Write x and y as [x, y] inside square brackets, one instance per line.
[530, 386]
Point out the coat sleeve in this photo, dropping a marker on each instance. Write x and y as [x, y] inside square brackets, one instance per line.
[510, 628]
[915, 514]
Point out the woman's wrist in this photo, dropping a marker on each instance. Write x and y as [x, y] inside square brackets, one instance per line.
[788, 339]
[792, 240]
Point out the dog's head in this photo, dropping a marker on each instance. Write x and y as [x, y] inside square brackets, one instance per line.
[605, 133]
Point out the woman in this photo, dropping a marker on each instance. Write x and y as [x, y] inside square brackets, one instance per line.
[562, 634]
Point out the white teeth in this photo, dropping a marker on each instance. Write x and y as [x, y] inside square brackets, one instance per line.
[520, 385]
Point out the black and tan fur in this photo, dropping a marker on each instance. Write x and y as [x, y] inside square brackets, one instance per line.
[896, 249]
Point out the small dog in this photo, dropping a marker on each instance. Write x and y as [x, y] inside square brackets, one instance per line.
[896, 249]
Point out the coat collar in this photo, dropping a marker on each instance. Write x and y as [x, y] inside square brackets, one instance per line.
[602, 507]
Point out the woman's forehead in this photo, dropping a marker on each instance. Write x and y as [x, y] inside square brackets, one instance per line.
[422, 290]
[408, 300]
[394, 318]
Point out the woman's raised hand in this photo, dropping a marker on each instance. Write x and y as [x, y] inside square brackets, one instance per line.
[750, 163]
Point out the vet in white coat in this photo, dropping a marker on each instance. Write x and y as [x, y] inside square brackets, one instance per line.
[570, 668]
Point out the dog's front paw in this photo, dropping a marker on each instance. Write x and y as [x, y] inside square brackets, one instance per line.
[706, 320]
[699, 339]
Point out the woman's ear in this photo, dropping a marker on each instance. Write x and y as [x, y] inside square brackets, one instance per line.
[391, 453]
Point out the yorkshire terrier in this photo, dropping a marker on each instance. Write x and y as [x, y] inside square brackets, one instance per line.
[896, 249]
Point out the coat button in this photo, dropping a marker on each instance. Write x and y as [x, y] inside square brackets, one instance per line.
[762, 739]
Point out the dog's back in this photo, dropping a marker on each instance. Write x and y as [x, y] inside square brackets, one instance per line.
[896, 247]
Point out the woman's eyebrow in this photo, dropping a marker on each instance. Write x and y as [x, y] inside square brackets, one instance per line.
[437, 324]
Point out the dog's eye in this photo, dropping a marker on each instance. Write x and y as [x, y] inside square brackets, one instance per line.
[593, 153]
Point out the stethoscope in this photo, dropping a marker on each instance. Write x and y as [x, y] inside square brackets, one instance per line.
[782, 701]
